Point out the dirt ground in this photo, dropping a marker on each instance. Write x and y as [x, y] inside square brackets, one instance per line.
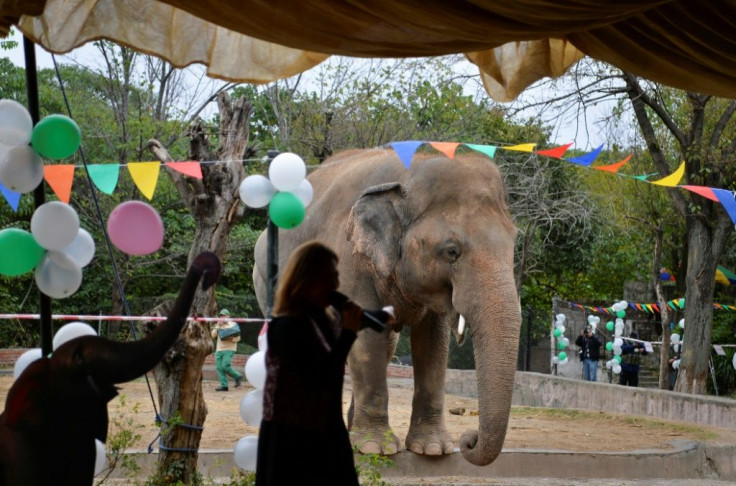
[529, 428]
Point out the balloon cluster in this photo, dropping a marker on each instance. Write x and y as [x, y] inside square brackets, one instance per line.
[285, 190]
[251, 405]
[65, 333]
[677, 342]
[54, 137]
[617, 326]
[562, 341]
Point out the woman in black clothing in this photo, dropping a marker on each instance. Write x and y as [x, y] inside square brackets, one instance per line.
[303, 439]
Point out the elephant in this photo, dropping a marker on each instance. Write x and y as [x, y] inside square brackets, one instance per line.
[57, 407]
[436, 242]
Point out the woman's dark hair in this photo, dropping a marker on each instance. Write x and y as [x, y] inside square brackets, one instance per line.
[300, 272]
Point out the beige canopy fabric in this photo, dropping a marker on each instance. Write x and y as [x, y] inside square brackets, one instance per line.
[687, 44]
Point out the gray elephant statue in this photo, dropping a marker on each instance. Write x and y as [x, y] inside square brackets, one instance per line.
[58, 406]
[436, 242]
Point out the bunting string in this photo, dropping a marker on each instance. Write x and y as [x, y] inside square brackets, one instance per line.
[647, 308]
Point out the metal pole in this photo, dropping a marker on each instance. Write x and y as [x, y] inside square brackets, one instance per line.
[39, 196]
[272, 255]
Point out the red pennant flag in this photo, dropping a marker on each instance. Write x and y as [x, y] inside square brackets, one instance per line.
[555, 153]
[190, 168]
[656, 307]
[60, 178]
[706, 192]
[447, 148]
[613, 167]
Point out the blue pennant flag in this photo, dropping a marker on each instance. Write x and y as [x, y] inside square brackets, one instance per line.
[727, 200]
[586, 159]
[13, 198]
[406, 150]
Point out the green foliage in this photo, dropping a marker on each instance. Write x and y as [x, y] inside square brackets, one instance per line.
[369, 466]
[122, 436]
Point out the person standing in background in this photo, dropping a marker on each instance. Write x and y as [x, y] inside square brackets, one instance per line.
[589, 346]
[225, 350]
[631, 353]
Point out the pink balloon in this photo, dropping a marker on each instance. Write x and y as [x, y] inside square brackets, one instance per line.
[135, 228]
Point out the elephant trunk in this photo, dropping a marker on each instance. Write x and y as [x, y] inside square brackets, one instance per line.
[119, 362]
[494, 324]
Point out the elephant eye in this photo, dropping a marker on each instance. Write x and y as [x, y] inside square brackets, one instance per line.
[451, 252]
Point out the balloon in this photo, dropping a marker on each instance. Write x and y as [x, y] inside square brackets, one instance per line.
[54, 225]
[555, 360]
[135, 228]
[562, 356]
[255, 370]
[676, 364]
[609, 346]
[58, 280]
[562, 329]
[609, 325]
[256, 191]
[556, 332]
[675, 338]
[71, 331]
[564, 361]
[560, 344]
[263, 338]
[245, 452]
[21, 170]
[566, 341]
[618, 342]
[287, 171]
[609, 363]
[733, 362]
[681, 324]
[558, 323]
[617, 350]
[591, 319]
[19, 252]
[617, 368]
[596, 321]
[561, 317]
[286, 210]
[24, 360]
[621, 313]
[304, 192]
[16, 124]
[100, 457]
[624, 304]
[617, 358]
[251, 408]
[81, 249]
[56, 137]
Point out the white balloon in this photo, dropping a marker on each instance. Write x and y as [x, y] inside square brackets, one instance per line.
[566, 341]
[562, 329]
[71, 331]
[55, 280]
[246, 451]
[675, 338]
[304, 192]
[262, 343]
[615, 307]
[561, 317]
[256, 191]
[597, 321]
[555, 360]
[24, 360]
[54, 225]
[251, 408]
[255, 370]
[617, 350]
[594, 326]
[619, 331]
[677, 347]
[564, 361]
[591, 319]
[21, 170]
[681, 323]
[733, 362]
[81, 249]
[16, 125]
[617, 368]
[618, 342]
[609, 364]
[624, 305]
[287, 171]
[676, 364]
[100, 457]
[619, 322]
[558, 323]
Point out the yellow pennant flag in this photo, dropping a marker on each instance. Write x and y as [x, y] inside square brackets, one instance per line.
[524, 147]
[145, 176]
[673, 179]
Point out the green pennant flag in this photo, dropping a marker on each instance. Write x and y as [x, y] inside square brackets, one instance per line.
[105, 176]
[489, 150]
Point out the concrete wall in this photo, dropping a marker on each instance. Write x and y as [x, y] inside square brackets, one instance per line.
[539, 390]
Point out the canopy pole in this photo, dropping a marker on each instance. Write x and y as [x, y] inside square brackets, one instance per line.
[39, 196]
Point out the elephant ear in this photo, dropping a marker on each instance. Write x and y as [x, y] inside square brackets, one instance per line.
[375, 228]
[23, 407]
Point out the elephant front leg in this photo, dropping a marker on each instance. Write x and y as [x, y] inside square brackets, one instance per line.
[369, 428]
[427, 432]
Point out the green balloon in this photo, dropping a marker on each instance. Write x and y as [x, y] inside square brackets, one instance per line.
[609, 325]
[557, 333]
[560, 344]
[56, 137]
[286, 210]
[617, 358]
[609, 346]
[19, 252]
[562, 356]
[621, 314]
[681, 303]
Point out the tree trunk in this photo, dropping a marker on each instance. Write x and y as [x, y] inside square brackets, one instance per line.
[664, 371]
[214, 204]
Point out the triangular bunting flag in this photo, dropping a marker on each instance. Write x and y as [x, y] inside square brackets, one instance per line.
[649, 308]
[145, 176]
[613, 167]
[13, 198]
[727, 200]
[447, 148]
[586, 159]
[673, 179]
[555, 153]
[642, 177]
[656, 307]
[190, 168]
[105, 176]
[522, 147]
[487, 150]
[706, 192]
[406, 150]
[60, 178]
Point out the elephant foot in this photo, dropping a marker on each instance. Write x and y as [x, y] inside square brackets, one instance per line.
[375, 441]
[435, 442]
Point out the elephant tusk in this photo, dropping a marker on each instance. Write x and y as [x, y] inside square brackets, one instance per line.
[461, 325]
